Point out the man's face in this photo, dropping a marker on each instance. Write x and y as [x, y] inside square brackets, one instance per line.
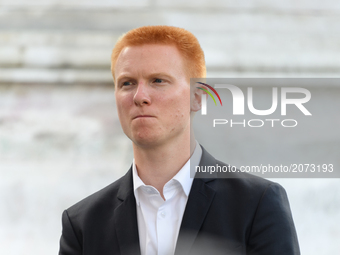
[152, 94]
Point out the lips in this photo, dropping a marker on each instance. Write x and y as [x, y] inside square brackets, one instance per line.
[143, 116]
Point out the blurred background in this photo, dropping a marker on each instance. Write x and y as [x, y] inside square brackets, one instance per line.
[60, 138]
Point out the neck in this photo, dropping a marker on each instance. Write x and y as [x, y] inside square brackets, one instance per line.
[158, 165]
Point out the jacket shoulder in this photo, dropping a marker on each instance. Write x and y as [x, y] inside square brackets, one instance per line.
[107, 196]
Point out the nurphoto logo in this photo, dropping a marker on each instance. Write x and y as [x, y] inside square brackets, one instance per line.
[204, 99]
[238, 104]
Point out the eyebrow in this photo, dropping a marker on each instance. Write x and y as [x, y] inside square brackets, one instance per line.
[161, 74]
[127, 76]
[124, 76]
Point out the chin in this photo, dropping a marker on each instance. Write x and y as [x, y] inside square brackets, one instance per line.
[146, 143]
[146, 139]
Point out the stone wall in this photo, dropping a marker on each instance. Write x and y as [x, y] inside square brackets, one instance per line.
[71, 41]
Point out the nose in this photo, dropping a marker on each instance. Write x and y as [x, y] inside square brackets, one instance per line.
[142, 96]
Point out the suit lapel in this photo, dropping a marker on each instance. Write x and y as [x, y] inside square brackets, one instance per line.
[200, 198]
[125, 216]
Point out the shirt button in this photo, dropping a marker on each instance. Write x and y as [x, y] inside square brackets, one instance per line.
[163, 214]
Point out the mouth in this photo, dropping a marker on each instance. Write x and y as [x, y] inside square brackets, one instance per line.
[143, 116]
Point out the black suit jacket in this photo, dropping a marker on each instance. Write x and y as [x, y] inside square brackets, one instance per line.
[222, 216]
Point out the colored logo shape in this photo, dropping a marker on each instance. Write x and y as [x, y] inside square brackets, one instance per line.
[211, 88]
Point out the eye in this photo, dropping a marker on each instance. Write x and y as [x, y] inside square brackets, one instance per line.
[158, 80]
[126, 83]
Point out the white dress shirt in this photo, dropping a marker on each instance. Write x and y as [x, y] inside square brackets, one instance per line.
[159, 220]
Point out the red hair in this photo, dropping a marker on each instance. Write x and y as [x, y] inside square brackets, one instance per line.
[183, 40]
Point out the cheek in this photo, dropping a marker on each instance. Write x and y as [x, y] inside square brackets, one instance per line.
[183, 102]
[122, 104]
[178, 109]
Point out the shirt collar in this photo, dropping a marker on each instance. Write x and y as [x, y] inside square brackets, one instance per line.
[137, 182]
[183, 175]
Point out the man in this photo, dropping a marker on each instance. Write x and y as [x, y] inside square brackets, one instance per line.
[156, 208]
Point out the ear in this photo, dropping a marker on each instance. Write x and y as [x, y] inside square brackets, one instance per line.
[196, 97]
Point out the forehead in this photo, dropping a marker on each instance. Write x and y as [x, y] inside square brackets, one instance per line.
[148, 58]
